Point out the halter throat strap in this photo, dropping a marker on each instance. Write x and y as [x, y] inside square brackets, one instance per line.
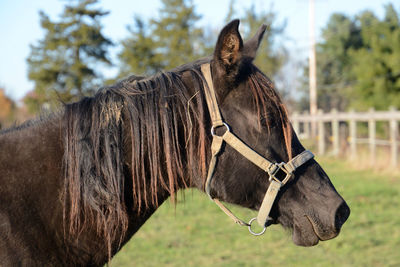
[278, 173]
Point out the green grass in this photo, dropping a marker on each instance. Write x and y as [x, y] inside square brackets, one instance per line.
[197, 233]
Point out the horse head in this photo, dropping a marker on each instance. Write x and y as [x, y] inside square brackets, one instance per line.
[252, 111]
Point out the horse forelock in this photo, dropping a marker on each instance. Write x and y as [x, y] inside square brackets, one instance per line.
[266, 100]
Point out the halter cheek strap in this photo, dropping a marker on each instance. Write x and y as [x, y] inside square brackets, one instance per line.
[278, 173]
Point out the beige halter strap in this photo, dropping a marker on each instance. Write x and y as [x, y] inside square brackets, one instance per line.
[279, 173]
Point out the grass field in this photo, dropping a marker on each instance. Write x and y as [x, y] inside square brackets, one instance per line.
[197, 233]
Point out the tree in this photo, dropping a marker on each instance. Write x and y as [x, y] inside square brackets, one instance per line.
[334, 62]
[62, 64]
[173, 39]
[139, 54]
[376, 64]
[163, 43]
[7, 109]
[357, 62]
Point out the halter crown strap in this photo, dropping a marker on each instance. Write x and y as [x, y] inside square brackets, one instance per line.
[278, 174]
[211, 99]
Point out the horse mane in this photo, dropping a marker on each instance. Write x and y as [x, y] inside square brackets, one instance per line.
[157, 120]
[43, 118]
[164, 127]
[264, 95]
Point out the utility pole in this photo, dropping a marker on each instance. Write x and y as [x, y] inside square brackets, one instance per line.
[312, 68]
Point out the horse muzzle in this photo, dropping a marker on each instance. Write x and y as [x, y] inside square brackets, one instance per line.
[309, 229]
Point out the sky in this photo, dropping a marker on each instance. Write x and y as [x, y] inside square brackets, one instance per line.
[20, 26]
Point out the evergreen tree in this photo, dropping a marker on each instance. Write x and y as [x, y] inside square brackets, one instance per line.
[139, 54]
[62, 64]
[358, 62]
[165, 42]
[376, 65]
[173, 39]
[334, 62]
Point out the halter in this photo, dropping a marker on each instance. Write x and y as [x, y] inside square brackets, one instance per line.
[279, 173]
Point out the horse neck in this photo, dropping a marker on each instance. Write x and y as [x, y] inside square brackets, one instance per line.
[32, 179]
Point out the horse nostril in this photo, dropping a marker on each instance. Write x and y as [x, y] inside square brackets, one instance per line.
[342, 213]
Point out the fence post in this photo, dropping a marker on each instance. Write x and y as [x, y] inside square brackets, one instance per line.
[335, 132]
[296, 123]
[353, 136]
[306, 127]
[393, 139]
[371, 136]
[321, 133]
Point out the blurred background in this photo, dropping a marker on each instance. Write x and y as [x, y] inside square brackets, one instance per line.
[336, 64]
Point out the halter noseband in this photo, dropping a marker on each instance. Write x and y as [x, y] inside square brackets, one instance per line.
[279, 173]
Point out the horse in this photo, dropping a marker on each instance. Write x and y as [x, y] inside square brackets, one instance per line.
[77, 184]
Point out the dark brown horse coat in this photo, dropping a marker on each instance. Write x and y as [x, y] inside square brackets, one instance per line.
[75, 186]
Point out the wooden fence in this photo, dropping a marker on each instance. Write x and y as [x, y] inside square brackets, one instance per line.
[333, 120]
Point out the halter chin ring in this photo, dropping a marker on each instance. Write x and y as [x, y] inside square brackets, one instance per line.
[252, 232]
[227, 129]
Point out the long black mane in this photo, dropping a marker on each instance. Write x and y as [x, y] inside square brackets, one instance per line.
[160, 122]
[163, 124]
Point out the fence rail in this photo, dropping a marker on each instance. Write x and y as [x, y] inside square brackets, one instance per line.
[334, 119]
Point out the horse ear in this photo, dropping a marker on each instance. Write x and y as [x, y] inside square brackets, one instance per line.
[229, 46]
[251, 46]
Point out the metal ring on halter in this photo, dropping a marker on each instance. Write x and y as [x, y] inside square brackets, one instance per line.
[224, 124]
[251, 231]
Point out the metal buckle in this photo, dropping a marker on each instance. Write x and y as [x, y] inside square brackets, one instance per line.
[279, 173]
[223, 124]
